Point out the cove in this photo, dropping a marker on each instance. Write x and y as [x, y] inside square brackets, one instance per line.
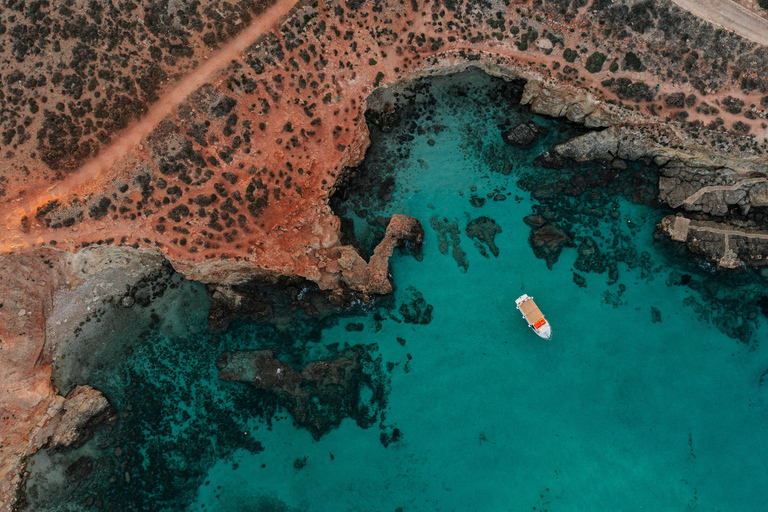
[649, 394]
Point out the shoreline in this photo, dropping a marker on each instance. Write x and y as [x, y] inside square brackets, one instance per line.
[298, 234]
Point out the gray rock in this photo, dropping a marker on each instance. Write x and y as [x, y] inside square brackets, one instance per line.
[524, 134]
[550, 160]
[84, 409]
[758, 195]
[603, 145]
[734, 196]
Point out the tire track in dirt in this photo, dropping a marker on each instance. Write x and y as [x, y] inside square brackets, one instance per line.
[131, 137]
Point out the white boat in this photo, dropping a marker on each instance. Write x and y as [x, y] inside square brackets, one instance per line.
[534, 316]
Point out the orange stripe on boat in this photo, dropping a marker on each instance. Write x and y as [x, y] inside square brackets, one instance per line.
[539, 323]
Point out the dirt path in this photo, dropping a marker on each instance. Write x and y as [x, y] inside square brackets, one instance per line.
[680, 227]
[730, 16]
[695, 196]
[134, 134]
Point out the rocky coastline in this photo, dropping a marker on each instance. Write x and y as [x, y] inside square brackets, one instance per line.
[722, 202]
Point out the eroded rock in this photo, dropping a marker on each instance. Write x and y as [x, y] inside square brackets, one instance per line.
[84, 409]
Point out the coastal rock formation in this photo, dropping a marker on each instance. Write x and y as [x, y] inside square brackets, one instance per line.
[320, 395]
[715, 185]
[726, 245]
[524, 134]
[83, 409]
[574, 104]
[231, 183]
[375, 278]
[43, 294]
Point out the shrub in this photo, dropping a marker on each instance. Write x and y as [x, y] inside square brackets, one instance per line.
[763, 4]
[675, 100]
[733, 105]
[595, 62]
[570, 55]
[740, 127]
[632, 61]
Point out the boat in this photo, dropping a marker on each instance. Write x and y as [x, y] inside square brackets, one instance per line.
[534, 316]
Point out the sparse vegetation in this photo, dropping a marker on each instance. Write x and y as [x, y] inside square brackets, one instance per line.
[595, 62]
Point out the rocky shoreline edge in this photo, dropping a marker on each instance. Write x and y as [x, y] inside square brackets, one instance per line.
[722, 202]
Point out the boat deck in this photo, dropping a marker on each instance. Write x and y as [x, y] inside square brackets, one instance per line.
[531, 311]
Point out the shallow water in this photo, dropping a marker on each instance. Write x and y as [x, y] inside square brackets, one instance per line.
[619, 411]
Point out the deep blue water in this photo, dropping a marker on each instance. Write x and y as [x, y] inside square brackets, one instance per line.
[648, 396]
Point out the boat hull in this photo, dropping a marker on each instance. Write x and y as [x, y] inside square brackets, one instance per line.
[545, 331]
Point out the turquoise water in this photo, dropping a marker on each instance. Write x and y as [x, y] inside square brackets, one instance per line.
[626, 407]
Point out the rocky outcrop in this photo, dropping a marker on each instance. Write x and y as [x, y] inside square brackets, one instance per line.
[42, 294]
[694, 181]
[574, 104]
[320, 395]
[727, 245]
[84, 409]
[524, 134]
[372, 278]
[690, 179]
[349, 277]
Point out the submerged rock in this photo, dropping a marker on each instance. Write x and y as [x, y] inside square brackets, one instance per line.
[550, 160]
[265, 299]
[548, 241]
[414, 309]
[448, 234]
[322, 394]
[484, 230]
[590, 259]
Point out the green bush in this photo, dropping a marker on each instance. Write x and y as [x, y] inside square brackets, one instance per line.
[570, 55]
[632, 61]
[614, 67]
[595, 62]
[763, 3]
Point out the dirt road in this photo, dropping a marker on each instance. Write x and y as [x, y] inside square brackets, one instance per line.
[130, 138]
[730, 16]
[213, 62]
